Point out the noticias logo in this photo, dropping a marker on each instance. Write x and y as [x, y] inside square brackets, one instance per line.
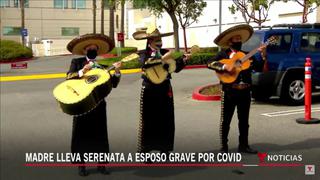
[264, 157]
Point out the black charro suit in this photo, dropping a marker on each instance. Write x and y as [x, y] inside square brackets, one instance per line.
[232, 98]
[89, 132]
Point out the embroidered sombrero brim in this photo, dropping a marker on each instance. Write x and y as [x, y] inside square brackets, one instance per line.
[77, 45]
[139, 35]
[244, 30]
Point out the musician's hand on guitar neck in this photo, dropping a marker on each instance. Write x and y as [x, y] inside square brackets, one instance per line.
[117, 66]
[263, 51]
[186, 57]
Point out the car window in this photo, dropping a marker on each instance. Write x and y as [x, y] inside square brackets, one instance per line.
[252, 43]
[310, 42]
[282, 44]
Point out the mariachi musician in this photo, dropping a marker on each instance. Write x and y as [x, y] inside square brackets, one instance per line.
[89, 132]
[157, 124]
[238, 93]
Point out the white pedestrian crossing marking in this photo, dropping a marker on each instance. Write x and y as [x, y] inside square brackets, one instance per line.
[290, 112]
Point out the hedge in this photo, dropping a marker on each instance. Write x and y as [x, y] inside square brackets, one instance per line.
[124, 50]
[209, 50]
[11, 50]
[127, 65]
[196, 59]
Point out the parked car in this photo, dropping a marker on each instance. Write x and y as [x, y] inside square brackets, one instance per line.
[283, 73]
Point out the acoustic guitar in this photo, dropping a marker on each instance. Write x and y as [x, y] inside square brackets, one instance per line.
[79, 96]
[158, 73]
[240, 61]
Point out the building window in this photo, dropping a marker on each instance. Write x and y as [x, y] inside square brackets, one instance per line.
[69, 31]
[61, 4]
[11, 31]
[16, 3]
[78, 4]
[4, 3]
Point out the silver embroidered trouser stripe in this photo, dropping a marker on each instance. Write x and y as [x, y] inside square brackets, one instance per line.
[140, 132]
[221, 117]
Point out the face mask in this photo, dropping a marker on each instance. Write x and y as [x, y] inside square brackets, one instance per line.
[236, 46]
[156, 44]
[92, 53]
[159, 44]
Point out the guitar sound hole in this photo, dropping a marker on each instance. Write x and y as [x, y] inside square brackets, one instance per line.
[91, 79]
[166, 67]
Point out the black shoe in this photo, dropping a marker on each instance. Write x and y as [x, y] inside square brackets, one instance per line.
[103, 170]
[82, 171]
[247, 149]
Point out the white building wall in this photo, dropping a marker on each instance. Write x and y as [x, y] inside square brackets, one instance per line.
[318, 15]
[204, 32]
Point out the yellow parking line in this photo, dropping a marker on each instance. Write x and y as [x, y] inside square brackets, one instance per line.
[130, 71]
[53, 76]
[31, 77]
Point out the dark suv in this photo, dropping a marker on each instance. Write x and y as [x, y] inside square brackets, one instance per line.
[283, 73]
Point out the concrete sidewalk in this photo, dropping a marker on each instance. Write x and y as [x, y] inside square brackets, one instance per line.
[41, 65]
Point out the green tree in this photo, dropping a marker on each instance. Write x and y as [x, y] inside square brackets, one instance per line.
[22, 21]
[113, 4]
[102, 16]
[252, 10]
[122, 2]
[112, 7]
[188, 12]
[160, 6]
[308, 7]
[94, 9]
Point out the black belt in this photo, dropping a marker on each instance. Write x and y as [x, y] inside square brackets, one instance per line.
[240, 86]
[236, 86]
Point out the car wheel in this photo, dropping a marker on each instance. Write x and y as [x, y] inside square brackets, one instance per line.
[293, 91]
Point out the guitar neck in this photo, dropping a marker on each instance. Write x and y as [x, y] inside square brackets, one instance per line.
[126, 59]
[249, 55]
[110, 68]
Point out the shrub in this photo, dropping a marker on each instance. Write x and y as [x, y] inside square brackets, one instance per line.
[214, 89]
[124, 50]
[200, 58]
[209, 50]
[11, 50]
[127, 65]
[196, 59]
